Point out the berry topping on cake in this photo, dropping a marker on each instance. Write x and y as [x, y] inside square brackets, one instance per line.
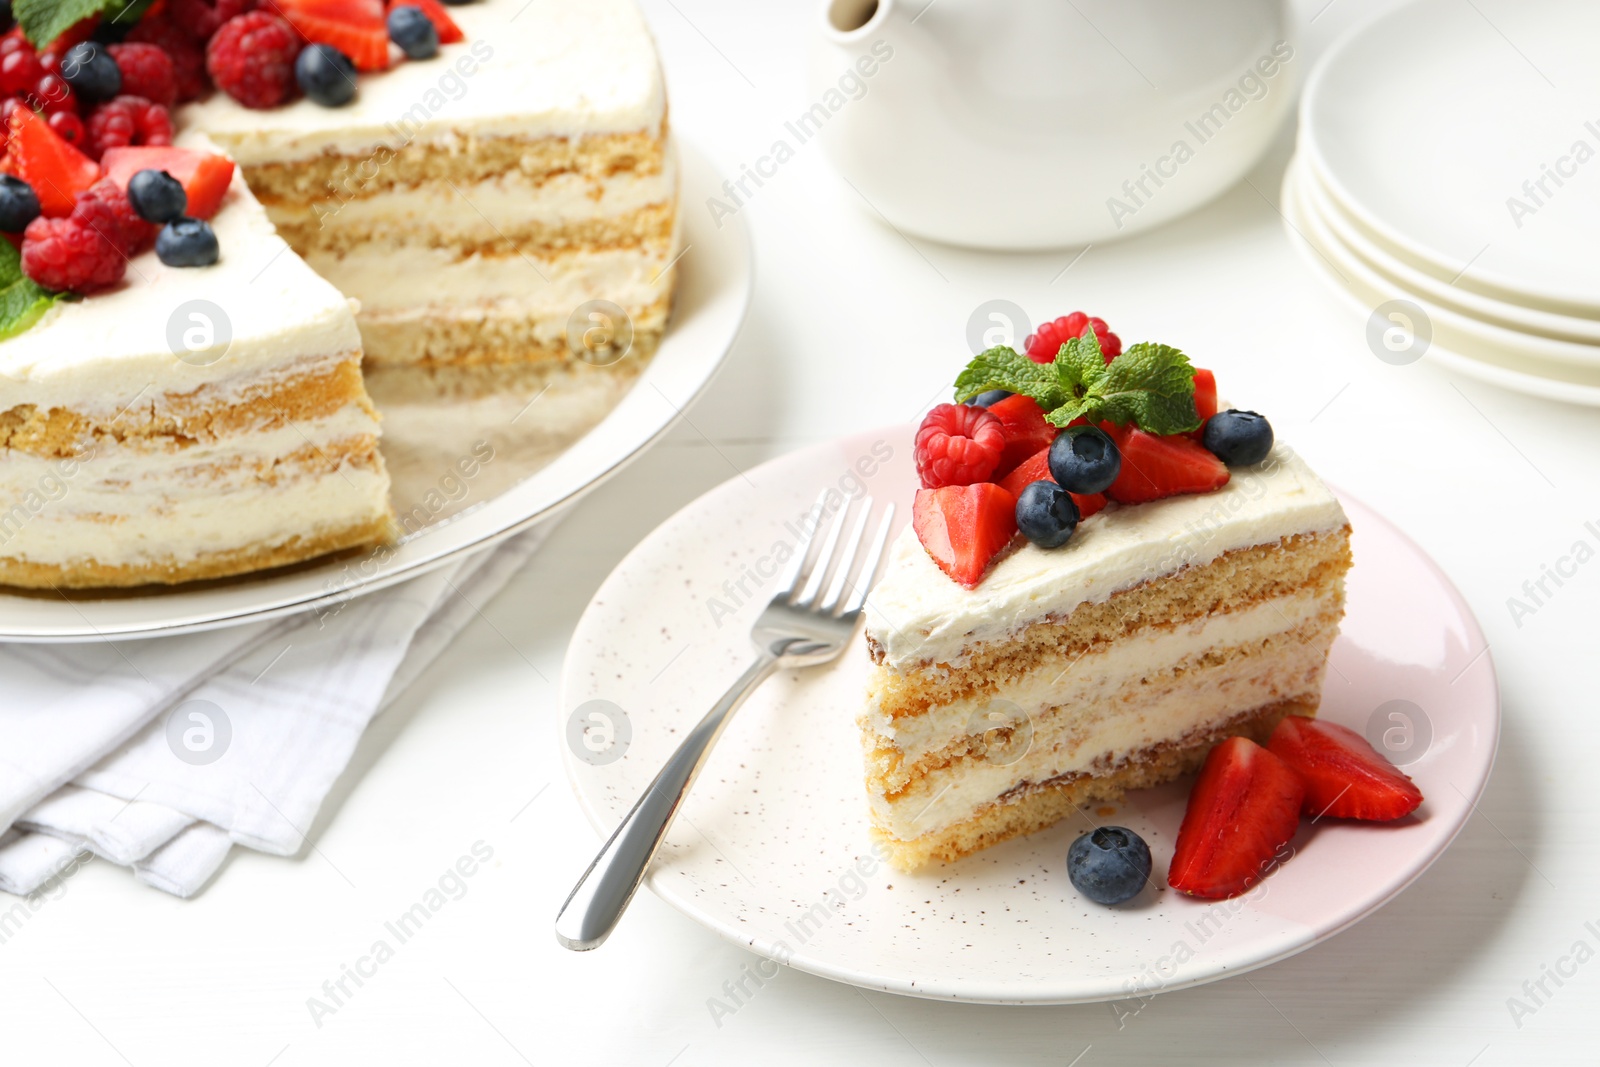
[76, 254]
[1046, 514]
[157, 196]
[354, 27]
[1084, 460]
[187, 54]
[1344, 776]
[958, 445]
[1036, 468]
[1043, 345]
[53, 96]
[69, 127]
[1154, 467]
[124, 121]
[187, 242]
[326, 75]
[134, 234]
[20, 69]
[1238, 438]
[1244, 808]
[1205, 394]
[39, 156]
[92, 73]
[964, 527]
[147, 71]
[449, 32]
[205, 175]
[19, 205]
[251, 58]
[1025, 429]
[413, 31]
[1109, 865]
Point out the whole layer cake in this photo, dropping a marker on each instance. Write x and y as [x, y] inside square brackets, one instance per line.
[473, 203]
[1113, 642]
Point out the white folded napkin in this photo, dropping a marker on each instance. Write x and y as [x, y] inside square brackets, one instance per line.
[162, 754]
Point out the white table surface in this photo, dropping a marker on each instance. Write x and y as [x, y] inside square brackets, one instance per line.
[852, 327]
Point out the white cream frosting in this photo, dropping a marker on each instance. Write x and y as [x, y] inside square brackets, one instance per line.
[526, 69]
[917, 615]
[99, 354]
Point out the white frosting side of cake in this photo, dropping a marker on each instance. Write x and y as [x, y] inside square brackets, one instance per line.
[527, 68]
[918, 615]
[96, 355]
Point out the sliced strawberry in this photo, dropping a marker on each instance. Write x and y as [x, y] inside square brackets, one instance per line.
[204, 175]
[964, 527]
[39, 156]
[1036, 468]
[1243, 809]
[1026, 431]
[1344, 776]
[1205, 393]
[1155, 467]
[449, 32]
[354, 27]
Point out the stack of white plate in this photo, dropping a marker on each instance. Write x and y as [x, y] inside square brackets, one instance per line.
[1447, 184]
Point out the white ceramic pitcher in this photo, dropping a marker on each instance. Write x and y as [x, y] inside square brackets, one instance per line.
[1018, 124]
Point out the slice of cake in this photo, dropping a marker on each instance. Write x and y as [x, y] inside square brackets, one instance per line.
[475, 203]
[1122, 635]
[189, 423]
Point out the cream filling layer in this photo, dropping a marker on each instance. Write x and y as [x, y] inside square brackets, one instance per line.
[481, 210]
[917, 615]
[531, 286]
[1096, 677]
[120, 505]
[176, 329]
[1096, 738]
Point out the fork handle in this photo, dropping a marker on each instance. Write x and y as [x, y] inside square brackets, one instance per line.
[604, 891]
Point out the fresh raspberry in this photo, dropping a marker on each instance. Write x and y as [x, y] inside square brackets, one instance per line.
[188, 56]
[196, 16]
[69, 127]
[134, 234]
[79, 253]
[53, 95]
[1043, 345]
[251, 58]
[147, 71]
[958, 445]
[127, 120]
[19, 71]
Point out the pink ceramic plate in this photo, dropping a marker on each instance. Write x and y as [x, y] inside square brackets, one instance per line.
[772, 851]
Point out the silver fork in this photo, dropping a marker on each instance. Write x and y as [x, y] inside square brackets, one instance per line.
[796, 629]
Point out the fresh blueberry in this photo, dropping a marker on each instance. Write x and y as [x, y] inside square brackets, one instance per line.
[187, 243]
[92, 73]
[1238, 438]
[1084, 460]
[413, 31]
[1109, 865]
[326, 75]
[19, 205]
[1046, 514]
[993, 396]
[157, 196]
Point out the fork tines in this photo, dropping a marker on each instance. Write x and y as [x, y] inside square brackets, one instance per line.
[807, 574]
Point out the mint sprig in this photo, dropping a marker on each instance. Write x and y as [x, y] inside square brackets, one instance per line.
[23, 301]
[1148, 384]
[42, 21]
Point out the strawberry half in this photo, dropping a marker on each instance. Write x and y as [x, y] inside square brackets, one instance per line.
[1036, 468]
[1026, 430]
[204, 175]
[449, 32]
[1156, 467]
[39, 156]
[354, 27]
[1243, 809]
[964, 527]
[1205, 399]
[1344, 776]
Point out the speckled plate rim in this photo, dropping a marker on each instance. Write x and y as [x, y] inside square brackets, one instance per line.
[717, 264]
[809, 466]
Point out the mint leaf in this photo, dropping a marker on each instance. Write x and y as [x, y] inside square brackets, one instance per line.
[1149, 384]
[1005, 368]
[42, 21]
[22, 300]
[1080, 364]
